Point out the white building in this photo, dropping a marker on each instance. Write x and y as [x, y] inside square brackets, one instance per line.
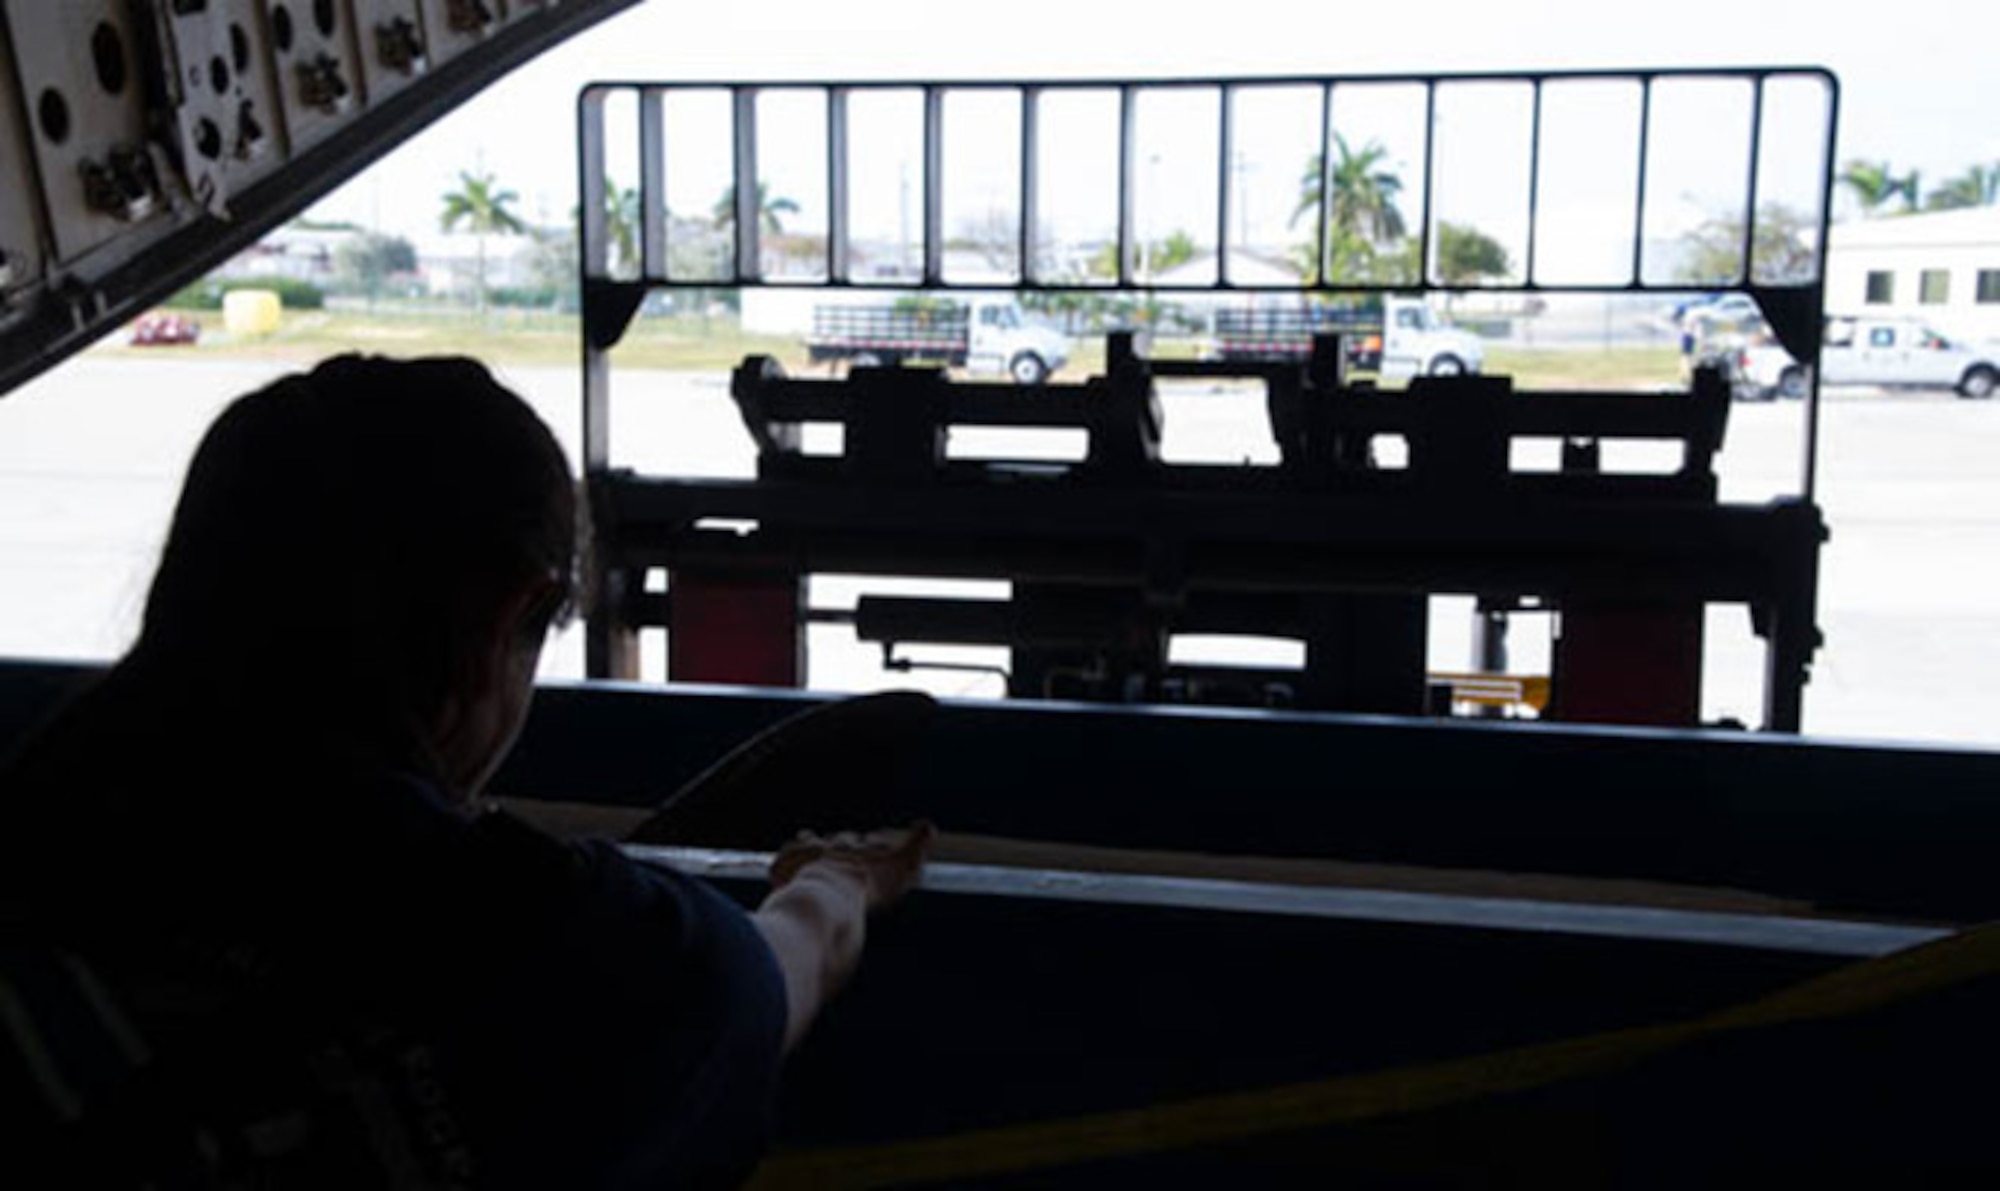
[1942, 267]
[449, 261]
[293, 252]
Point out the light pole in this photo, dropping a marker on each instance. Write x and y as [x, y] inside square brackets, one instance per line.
[903, 217]
[1243, 168]
[1145, 253]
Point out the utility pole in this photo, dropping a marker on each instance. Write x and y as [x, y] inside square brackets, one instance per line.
[903, 218]
[1242, 169]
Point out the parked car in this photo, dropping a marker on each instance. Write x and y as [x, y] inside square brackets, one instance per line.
[1889, 352]
[162, 328]
[1723, 307]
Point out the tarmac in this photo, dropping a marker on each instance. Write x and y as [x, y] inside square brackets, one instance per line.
[92, 453]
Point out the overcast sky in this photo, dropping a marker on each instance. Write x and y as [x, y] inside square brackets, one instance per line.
[1919, 86]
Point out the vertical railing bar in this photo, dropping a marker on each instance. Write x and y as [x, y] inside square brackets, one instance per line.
[590, 184]
[1323, 237]
[652, 185]
[1430, 180]
[1825, 230]
[1226, 155]
[1534, 179]
[749, 256]
[1639, 208]
[1749, 276]
[933, 184]
[590, 267]
[839, 262]
[1127, 113]
[1030, 182]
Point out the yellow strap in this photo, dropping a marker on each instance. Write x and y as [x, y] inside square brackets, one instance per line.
[35, 1056]
[116, 1025]
[1210, 1120]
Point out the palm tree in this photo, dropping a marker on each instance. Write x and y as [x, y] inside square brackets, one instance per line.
[1364, 194]
[621, 228]
[1362, 216]
[1873, 185]
[768, 209]
[1978, 186]
[485, 210]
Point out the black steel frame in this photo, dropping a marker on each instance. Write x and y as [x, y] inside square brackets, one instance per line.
[655, 274]
[1352, 539]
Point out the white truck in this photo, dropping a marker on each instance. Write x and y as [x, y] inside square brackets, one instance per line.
[1399, 337]
[1887, 352]
[991, 336]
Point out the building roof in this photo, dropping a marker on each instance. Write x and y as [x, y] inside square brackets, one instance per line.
[1971, 226]
[1244, 269]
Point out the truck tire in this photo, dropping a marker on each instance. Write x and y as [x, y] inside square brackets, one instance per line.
[1978, 382]
[1447, 365]
[1027, 369]
[1792, 383]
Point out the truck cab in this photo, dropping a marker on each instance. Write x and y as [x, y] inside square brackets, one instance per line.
[1006, 340]
[1416, 342]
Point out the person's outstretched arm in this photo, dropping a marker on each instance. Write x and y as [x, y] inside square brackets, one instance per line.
[816, 917]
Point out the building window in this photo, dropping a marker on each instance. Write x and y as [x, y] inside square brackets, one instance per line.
[1934, 287]
[1881, 287]
[1989, 285]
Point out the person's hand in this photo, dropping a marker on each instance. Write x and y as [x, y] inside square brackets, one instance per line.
[823, 888]
[885, 864]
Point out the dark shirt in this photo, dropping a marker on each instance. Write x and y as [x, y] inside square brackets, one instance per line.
[480, 1004]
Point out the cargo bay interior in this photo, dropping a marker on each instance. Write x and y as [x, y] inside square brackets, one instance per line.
[1414, 919]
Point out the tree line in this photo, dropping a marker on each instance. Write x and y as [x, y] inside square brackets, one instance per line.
[1367, 237]
[1877, 189]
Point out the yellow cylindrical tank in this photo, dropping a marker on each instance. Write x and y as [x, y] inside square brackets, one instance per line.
[251, 311]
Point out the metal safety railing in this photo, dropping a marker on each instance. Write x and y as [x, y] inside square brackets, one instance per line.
[1612, 181]
[1754, 145]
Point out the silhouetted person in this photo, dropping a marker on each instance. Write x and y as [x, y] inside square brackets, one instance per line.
[262, 830]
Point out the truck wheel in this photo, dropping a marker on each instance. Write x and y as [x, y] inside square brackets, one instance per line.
[1447, 365]
[1979, 382]
[1027, 369]
[1792, 383]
